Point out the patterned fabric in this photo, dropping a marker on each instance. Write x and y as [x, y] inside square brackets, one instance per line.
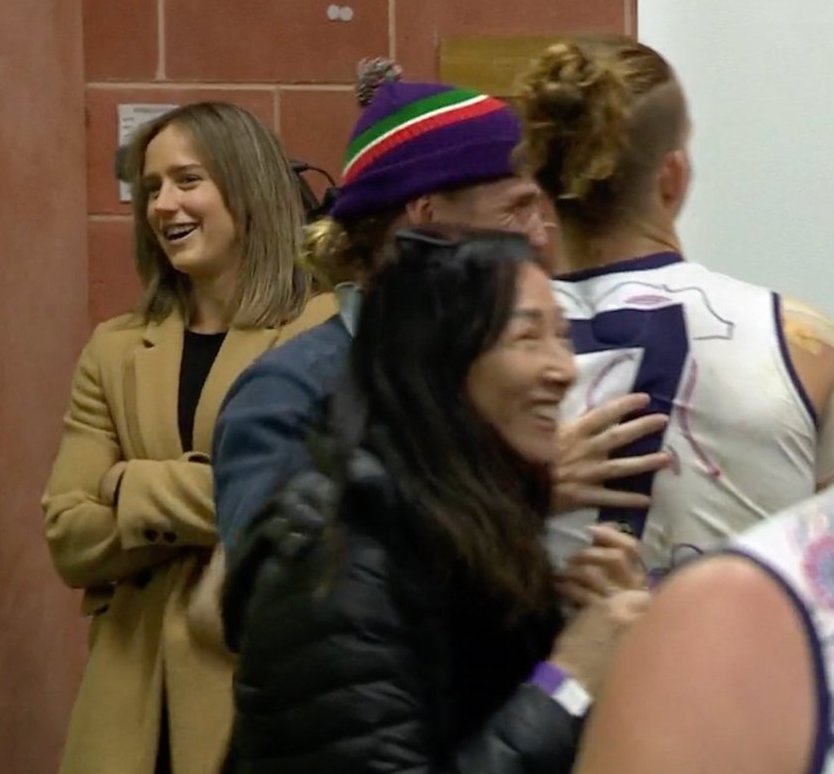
[797, 549]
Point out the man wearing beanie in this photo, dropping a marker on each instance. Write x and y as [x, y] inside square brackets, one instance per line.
[420, 153]
[416, 139]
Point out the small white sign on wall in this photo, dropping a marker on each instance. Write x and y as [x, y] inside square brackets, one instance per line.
[131, 117]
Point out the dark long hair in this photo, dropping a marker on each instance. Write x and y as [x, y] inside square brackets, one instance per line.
[443, 300]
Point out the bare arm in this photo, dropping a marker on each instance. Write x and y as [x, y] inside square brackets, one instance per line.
[810, 338]
[715, 679]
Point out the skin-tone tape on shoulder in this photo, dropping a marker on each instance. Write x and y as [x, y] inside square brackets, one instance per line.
[825, 446]
[805, 327]
[811, 331]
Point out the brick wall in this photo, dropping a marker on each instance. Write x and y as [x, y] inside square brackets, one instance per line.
[285, 60]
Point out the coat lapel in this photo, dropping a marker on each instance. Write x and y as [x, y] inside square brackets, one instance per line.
[156, 375]
[240, 348]
[153, 376]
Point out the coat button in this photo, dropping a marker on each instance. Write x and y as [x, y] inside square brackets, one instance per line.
[169, 537]
[142, 578]
[151, 535]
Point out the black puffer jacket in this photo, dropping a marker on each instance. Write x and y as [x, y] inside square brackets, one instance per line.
[353, 659]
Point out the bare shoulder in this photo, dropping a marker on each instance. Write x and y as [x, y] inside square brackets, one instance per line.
[796, 307]
[699, 654]
[809, 334]
[713, 615]
[807, 327]
[705, 593]
[710, 616]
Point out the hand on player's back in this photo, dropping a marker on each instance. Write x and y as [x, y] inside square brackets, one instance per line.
[584, 463]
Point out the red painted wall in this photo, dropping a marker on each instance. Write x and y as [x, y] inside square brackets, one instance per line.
[43, 322]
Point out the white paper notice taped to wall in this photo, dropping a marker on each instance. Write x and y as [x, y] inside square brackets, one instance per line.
[131, 117]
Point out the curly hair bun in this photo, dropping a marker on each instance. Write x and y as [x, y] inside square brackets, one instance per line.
[576, 109]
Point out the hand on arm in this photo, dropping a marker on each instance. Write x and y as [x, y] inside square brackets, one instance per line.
[584, 465]
[108, 489]
[588, 643]
[204, 606]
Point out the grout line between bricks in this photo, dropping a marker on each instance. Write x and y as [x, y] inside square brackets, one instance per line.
[392, 29]
[224, 86]
[315, 86]
[160, 37]
[109, 217]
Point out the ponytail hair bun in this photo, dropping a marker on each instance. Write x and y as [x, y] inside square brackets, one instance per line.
[576, 109]
[599, 115]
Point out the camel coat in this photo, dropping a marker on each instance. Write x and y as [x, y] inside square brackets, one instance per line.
[139, 562]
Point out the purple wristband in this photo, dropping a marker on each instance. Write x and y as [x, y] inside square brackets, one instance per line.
[561, 687]
[548, 677]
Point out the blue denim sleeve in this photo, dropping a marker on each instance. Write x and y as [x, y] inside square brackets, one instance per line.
[261, 436]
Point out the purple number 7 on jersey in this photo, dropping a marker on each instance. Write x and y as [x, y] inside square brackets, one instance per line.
[661, 334]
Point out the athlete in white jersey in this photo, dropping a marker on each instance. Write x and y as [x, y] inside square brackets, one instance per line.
[744, 377]
[741, 648]
[710, 351]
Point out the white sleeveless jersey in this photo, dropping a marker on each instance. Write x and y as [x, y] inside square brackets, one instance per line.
[709, 351]
[796, 549]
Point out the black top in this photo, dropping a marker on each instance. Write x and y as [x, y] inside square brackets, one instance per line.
[199, 351]
[355, 658]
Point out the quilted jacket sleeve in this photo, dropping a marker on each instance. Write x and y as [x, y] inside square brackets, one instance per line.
[335, 673]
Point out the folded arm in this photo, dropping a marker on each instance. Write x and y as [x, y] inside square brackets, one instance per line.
[82, 530]
[167, 502]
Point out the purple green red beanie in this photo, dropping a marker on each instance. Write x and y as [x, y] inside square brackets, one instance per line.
[415, 139]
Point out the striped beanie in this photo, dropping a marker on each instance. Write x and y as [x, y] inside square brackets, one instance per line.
[414, 139]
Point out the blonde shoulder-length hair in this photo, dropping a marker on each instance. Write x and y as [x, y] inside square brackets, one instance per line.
[252, 172]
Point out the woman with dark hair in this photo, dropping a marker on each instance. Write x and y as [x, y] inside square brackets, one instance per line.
[395, 610]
